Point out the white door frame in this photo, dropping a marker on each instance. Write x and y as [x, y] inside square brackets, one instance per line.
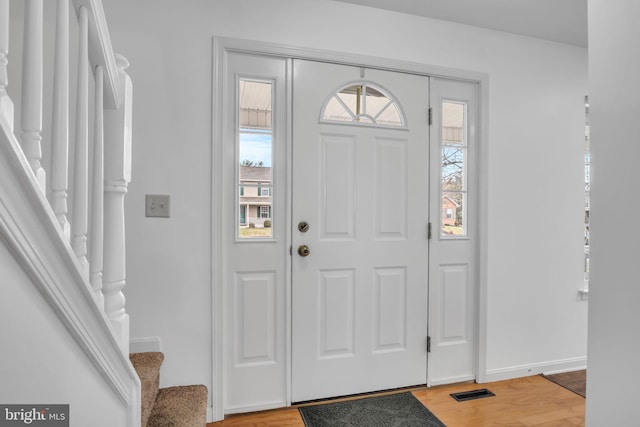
[223, 45]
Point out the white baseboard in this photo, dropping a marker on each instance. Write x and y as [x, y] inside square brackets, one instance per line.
[255, 408]
[451, 380]
[551, 367]
[146, 344]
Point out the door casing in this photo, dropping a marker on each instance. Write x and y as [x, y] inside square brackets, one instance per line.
[221, 46]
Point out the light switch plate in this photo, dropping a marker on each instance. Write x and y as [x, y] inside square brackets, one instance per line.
[157, 205]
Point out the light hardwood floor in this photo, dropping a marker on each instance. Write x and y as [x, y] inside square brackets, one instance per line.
[530, 401]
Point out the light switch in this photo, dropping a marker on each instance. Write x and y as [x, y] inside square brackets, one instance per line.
[157, 205]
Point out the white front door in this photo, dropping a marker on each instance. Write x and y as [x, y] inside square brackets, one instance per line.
[360, 266]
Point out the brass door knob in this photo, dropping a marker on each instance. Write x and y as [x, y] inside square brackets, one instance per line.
[303, 250]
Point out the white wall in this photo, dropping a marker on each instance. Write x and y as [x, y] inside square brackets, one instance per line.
[535, 152]
[614, 65]
[41, 362]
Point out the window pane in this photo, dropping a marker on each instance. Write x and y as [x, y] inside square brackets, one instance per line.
[587, 192]
[352, 98]
[382, 109]
[453, 123]
[364, 104]
[255, 141]
[453, 170]
[390, 116]
[337, 111]
[453, 214]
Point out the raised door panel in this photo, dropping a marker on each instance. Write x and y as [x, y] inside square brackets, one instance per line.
[390, 191]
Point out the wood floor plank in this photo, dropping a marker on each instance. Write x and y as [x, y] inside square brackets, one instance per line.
[530, 401]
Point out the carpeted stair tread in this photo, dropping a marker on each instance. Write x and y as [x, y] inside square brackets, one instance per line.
[147, 365]
[182, 406]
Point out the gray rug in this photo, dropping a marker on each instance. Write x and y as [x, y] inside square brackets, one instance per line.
[395, 410]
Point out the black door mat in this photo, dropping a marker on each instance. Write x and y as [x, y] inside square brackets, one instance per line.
[395, 410]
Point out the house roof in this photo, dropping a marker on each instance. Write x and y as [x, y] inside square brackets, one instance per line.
[444, 196]
[255, 173]
[253, 200]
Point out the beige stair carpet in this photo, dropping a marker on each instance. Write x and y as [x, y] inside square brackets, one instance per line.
[183, 406]
[147, 365]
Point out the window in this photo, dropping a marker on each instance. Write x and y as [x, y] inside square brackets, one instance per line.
[243, 215]
[264, 191]
[587, 192]
[453, 181]
[255, 153]
[363, 103]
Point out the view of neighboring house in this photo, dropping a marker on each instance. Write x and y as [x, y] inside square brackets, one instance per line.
[449, 210]
[255, 195]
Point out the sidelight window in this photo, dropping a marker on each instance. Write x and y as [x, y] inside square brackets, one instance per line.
[453, 177]
[255, 153]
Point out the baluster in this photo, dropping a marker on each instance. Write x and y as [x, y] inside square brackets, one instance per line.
[117, 177]
[60, 131]
[81, 173]
[6, 105]
[32, 88]
[97, 208]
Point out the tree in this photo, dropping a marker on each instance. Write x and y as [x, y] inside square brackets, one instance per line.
[252, 164]
[452, 169]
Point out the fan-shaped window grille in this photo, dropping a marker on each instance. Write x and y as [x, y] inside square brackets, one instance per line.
[363, 103]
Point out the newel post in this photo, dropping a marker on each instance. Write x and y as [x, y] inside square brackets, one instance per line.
[117, 175]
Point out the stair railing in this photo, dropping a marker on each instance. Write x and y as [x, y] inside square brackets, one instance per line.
[95, 188]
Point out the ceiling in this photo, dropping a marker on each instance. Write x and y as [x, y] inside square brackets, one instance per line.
[563, 21]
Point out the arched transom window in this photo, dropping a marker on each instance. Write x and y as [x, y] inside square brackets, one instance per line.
[363, 103]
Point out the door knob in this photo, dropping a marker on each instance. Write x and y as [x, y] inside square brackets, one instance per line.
[303, 250]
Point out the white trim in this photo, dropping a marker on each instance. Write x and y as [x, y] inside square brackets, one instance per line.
[288, 232]
[31, 232]
[482, 222]
[452, 380]
[553, 366]
[565, 369]
[217, 288]
[222, 45]
[356, 60]
[255, 408]
[146, 344]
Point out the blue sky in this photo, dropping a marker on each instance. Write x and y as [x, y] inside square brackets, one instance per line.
[256, 147]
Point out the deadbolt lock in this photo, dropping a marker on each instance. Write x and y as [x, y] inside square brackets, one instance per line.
[303, 226]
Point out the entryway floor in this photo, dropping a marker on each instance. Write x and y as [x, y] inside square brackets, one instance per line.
[529, 401]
